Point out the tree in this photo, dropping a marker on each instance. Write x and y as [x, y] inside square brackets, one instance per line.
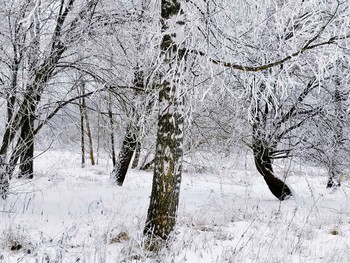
[22, 106]
[338, 124]
[325, 139]
[162, 211]
[273, 122]
[132, 137]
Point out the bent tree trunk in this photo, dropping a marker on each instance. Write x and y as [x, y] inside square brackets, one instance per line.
[125, 155]
[263, 163]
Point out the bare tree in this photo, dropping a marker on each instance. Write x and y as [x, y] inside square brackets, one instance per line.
[65, 32]
[162, 211]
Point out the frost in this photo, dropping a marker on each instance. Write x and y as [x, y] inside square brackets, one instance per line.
[176, 25]
[209, 222]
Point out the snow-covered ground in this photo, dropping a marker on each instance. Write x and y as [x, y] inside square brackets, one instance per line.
[226, 214]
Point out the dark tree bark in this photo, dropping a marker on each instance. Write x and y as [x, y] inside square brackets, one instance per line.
[137, 154]
[4, 179]
[263, 163]
[82, 133]
[111, 122]
[162, 210]
[147, 166]
[131, 144]
[125, 155]
[27, 155]
[265, 139]
[333, 179]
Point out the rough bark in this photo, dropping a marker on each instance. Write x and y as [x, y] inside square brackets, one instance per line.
[162, 211]
[4, 178]
[125, 155]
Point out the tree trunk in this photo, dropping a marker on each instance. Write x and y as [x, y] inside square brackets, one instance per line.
[334, 170]
[111, 122]
[88, 132]
[162, 210]
[81, 109]
[125, 155]
[98, 137]
[137, 154]
[26, 165]
[27, 154]
[263, 163]
[4, 178]
[131, 142]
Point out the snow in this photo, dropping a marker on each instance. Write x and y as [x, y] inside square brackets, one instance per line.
[226, 214]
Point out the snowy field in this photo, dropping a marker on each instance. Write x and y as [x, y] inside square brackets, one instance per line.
[226, 214]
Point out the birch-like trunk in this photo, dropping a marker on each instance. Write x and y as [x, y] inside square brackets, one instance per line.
[162, 211]
[88, 130]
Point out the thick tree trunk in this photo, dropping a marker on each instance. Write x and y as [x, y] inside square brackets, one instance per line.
[125, 155]
[27, 154]
[24, 150]
[26, 166]
[162, 210]
[263, 163]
